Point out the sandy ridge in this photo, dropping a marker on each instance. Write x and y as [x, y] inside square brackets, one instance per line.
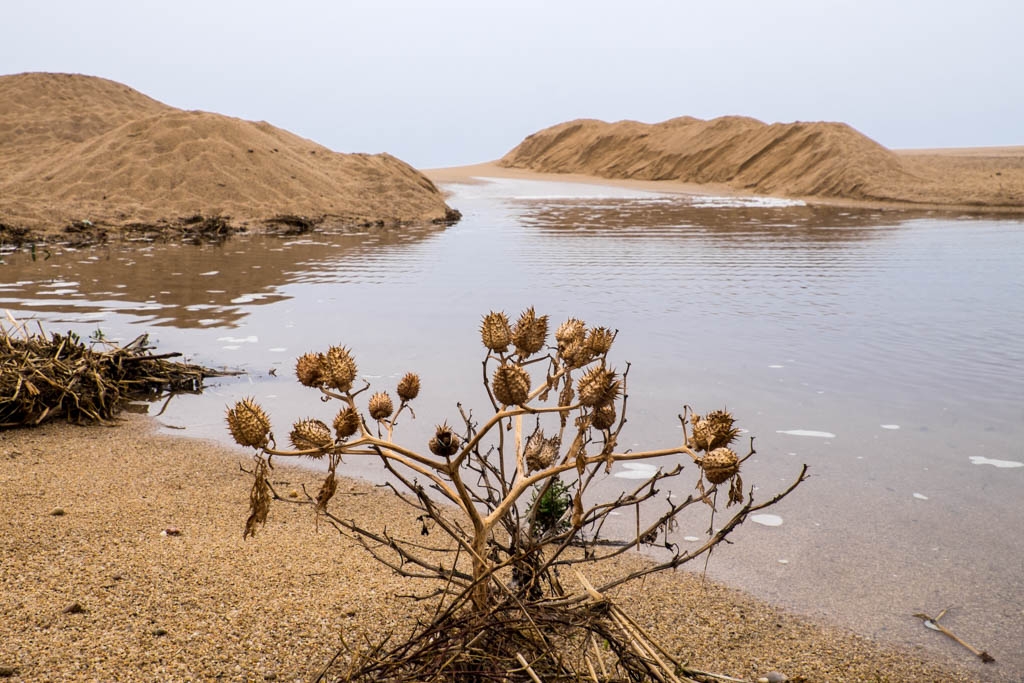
[78, 148]
[817, 161]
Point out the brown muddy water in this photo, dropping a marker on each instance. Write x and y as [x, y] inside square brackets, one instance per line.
[882, 348]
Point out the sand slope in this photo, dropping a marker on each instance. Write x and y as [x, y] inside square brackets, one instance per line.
[83, 148]
[813, 160]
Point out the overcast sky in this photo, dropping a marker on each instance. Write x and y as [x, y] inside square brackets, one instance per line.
[445, 83]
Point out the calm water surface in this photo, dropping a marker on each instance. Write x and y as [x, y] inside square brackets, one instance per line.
[884, 349]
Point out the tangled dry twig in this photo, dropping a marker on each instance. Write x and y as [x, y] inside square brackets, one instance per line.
[48, 376]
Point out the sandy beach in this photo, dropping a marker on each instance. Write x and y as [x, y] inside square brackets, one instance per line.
[97, 584]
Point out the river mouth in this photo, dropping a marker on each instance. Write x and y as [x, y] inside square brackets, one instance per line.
[882, 348]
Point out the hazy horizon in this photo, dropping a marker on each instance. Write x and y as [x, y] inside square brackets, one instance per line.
[456, 83]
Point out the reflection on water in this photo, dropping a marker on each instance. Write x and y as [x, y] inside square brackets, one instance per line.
[178, 284]
[882, 348]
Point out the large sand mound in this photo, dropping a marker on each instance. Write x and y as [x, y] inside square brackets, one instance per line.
[816, 160]
[79, 148]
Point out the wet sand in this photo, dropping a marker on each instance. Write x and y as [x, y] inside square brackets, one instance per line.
[967, 167]
[205, 604]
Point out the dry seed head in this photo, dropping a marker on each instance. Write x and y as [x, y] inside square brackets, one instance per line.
[309, 369]
[346, 423]
[381, 406]
[713, 431]
[719, 465]
[445, 442]
[599, 340]
[495, 331]
[409, 386]
[723, 431]
[530, 333]
[511, 385]
[598, 387]
[531, 451]
[604, 416]
[576, 353]
[572, 330]
[338, 368]
[541, 452]
[310, 433]
[249, 425]
[549, 452]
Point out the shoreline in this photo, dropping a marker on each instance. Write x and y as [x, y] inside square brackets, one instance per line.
[205, 603]
[474, 173]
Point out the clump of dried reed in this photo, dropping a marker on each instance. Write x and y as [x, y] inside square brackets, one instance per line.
[45, 376]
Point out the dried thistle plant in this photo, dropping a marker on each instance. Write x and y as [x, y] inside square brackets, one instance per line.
[522, 504]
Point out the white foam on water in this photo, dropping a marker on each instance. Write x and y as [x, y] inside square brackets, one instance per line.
[636, 470]
[806, 432]
[920, 496]
[1006, 464]
[231, 347]
[766, 520]
[209, 273]
[278, 349]
[251, 339]
[776, 366]
[711, 202]
[889, 426]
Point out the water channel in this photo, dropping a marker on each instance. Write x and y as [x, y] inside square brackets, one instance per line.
[885, 349]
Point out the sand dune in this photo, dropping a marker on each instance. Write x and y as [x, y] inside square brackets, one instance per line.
[811, 160]
[77, 148]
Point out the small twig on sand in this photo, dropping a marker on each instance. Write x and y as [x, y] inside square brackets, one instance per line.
[936, 626]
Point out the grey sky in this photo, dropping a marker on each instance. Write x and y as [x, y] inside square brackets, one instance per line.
[444, 83]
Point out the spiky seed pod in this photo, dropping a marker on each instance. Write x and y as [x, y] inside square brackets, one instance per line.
[530, 333]
[713, 431]
[346, 422]
[576, 354]
[309, 369]
[604, 416]
[409, 386]
[719, 465]
[511, 385]
[700, 433]
[338, 368]
[723, 431]
[310, 433]
[495, 331]
[548, 452]
[445, 442]
[599, 340]
[531, 451]
[381, 406]
[598, 387]
[249, 425]
[541, 452]
[572, 330]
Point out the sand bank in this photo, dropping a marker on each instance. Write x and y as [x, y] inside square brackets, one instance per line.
[205, 604]
[83, 156]
[819, 162]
